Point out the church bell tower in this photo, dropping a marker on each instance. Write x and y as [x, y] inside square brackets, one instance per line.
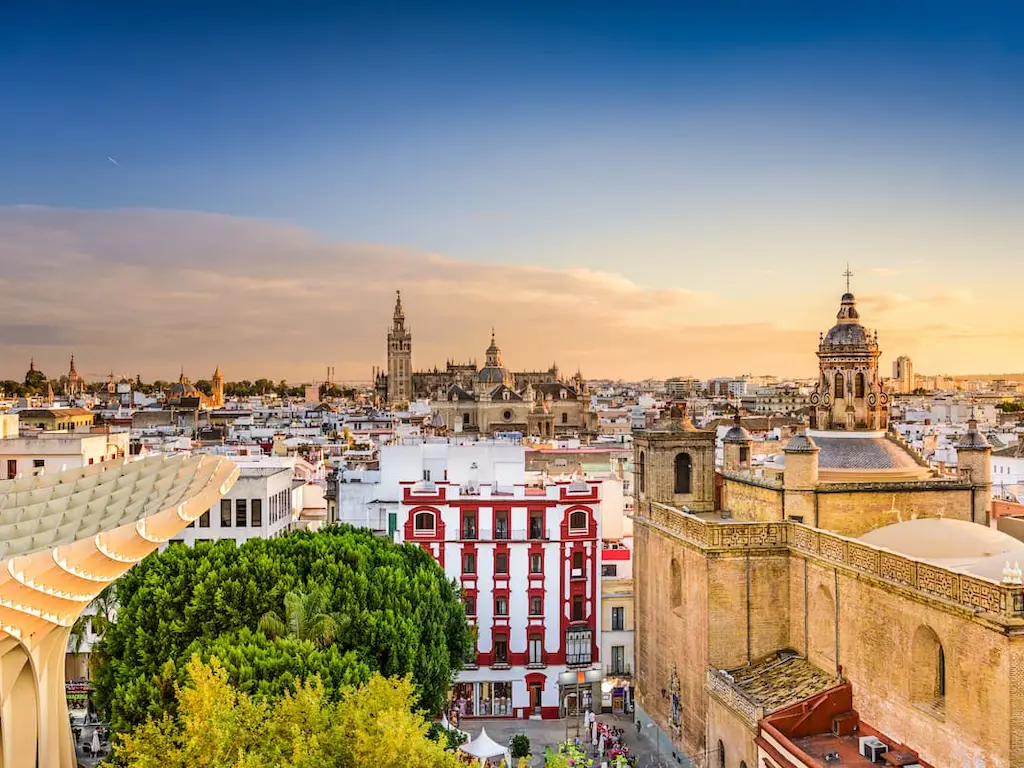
[399, 357]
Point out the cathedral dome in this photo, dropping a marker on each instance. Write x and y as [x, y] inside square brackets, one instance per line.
[491, 375]
[184, 388]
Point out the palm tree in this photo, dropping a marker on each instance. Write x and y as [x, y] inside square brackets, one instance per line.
[99, 615]
[305, 618]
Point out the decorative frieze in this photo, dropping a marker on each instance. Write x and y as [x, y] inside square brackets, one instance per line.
[972, 592]
[733, 698]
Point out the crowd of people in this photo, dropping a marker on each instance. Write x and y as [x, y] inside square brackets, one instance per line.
[609, 742]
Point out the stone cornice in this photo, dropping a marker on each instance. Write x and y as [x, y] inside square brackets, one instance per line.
[1002, 604]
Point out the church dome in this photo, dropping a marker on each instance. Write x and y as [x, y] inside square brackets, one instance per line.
[847, 332]
[846, 335]
[491, 375]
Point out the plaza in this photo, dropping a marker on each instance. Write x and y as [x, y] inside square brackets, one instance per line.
[550, 733]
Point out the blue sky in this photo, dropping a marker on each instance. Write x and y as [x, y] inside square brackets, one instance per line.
[752, 145]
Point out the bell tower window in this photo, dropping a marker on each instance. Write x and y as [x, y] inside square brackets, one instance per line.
[683, 467]
[840, 394]
[859, 381]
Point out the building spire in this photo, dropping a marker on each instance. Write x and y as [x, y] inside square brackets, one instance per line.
[398, 305]
[847, 274]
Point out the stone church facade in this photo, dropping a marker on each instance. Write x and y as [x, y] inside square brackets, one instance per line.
[489, 399]
[850, 588]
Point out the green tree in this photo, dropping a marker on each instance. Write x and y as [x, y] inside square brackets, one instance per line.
[405, 618]
[35, 382]
[304, 619]
[218, 726]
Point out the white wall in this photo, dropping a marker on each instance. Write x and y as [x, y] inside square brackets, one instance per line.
[56, 451]
[253, 483]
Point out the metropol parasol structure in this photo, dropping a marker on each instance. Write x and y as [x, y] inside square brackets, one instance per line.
[63, 538]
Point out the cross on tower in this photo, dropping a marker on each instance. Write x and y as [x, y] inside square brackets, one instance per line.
[847, 274]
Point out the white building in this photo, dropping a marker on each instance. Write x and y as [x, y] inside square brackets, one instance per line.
[24, 453]
[526, 555]
[260, 505]
[1008, 466]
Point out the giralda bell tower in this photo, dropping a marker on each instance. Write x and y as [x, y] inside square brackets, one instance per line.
[399, 357]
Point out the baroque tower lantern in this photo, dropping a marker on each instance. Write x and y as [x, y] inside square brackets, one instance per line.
[849, 394]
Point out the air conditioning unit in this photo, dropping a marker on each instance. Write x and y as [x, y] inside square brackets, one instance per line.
[872, 748]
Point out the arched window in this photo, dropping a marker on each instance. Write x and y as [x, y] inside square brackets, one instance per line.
[683, 466]
[840, 381]
[676, 588]
[642, 474]
[859, 385]
[927, 669]
[578, 520]
[721, 754]
[424, 522]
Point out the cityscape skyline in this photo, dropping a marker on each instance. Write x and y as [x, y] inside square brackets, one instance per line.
[440, 332]
[631, 193]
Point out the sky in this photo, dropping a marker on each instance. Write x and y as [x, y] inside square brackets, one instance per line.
[635, 189]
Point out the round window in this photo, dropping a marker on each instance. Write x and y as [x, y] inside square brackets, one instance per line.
[507, 415]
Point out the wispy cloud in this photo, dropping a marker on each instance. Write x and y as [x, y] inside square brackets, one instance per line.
[142, 291]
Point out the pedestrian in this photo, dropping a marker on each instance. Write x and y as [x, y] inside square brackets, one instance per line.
[638, 726]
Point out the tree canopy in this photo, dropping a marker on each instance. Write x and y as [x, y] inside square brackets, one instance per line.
[400, 615]
[217, 726]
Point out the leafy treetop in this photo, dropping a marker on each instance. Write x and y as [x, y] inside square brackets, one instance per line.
[392, 609]
[218, 726]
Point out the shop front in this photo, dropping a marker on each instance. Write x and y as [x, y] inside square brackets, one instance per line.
[483, 699]
[616, 696]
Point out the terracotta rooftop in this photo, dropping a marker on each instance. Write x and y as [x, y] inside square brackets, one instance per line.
[807, 731]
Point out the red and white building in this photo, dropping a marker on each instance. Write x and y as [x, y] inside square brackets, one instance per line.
[527, 555]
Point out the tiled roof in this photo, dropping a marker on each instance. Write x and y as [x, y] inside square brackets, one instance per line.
[455, 392]
[554, 388]
[801, 444]
[972, 439]
[1015, 451]
[780, 680]
[736, 435]
[499, 393]
[862, 453]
